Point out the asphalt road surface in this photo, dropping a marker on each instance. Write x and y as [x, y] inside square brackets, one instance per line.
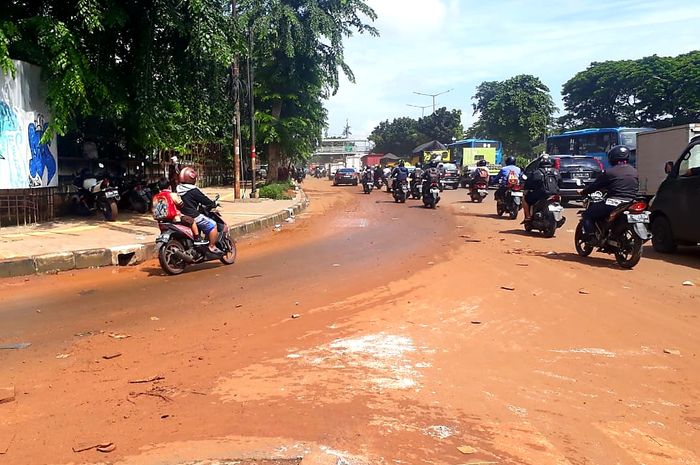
[364, 333]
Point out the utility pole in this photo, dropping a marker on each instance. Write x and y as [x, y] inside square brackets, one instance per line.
[422, 112]
[235, 78]
[433, 96]
[253, 155]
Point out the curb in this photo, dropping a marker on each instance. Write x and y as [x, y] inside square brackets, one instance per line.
[128, 255]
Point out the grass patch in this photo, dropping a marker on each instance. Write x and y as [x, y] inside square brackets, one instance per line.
[277, 191]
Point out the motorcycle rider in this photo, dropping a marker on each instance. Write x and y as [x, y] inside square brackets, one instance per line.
[367, 175]
[430, 176]
[192, 198]
[543, 182]
[399, 174]
[506, 177]
[480, 174]
[620, 181]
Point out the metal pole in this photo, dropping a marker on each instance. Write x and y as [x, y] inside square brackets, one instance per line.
[253, 155]
[235, 78]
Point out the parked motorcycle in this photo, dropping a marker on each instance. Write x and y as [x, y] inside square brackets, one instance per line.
[94, 195]
[547, 216]
[431, 196]
[401, 192]
[478, 191]
[511, 202]
[367, 187]
[178, 248]
[135, 194]
[622, 233]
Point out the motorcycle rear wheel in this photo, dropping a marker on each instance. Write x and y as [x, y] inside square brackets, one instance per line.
[170, 263]
[549, 231]
[582, 248]
[109, 209]
[630, 251]
[513, 213]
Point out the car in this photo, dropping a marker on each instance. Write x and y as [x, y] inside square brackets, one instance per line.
[450, 175]
[347, 176]
[577, 172]
[674, 209]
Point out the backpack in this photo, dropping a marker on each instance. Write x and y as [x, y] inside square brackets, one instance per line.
[550, 185]
[513, 179]
[482, 173]
[164, 207]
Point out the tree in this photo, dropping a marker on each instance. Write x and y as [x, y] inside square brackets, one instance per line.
[443, 125]
[652, 91]
[399, 136]
[516, 111]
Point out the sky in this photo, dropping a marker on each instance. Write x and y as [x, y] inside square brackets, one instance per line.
[432, 46]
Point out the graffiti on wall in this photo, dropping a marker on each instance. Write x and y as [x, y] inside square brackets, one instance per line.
[24, 160]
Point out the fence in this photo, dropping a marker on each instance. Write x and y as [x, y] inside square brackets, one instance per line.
[20, 207]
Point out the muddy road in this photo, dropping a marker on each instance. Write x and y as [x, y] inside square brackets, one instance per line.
[417, 333]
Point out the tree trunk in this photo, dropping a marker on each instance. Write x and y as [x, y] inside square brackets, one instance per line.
[274, 149]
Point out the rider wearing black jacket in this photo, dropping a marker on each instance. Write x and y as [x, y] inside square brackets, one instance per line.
[620, 181]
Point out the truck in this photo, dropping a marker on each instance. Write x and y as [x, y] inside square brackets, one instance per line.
[655, 148]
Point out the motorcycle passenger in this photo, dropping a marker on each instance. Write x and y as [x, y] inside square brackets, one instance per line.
[543, 183]
[192, 198]
[398, 175]
[378, 172]
[508, 177]
[367, 175]
[480, 174]
[620, 182]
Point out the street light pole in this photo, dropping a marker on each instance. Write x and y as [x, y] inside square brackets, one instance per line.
[433, 96]
[421, 107]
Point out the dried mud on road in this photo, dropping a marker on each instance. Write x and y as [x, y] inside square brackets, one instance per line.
[436, 337]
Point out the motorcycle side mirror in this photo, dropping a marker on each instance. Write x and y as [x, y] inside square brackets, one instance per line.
[668, 167]
[217, 197]
[101, 165]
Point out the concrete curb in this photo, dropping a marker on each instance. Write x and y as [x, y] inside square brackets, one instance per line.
[128, 255]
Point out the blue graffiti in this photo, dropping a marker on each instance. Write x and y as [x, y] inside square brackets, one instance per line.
[8, 124]
[42, 159]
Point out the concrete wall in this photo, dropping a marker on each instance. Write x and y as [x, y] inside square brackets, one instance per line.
[24, 117]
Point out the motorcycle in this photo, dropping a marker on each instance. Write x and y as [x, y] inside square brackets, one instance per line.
[511, 202]
[622, 233]
[134, 193]
[367, 186]
[547, 216]
[378, 182]
[93, 195]
[178, 247]
[416, 188]
[401, 192]
[478, 191]
[431, 196]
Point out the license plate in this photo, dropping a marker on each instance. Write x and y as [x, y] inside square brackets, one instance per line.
[434, 191]
[111, 194]
[516, 194]
[638, 218]
[581, 175]
[483, 192]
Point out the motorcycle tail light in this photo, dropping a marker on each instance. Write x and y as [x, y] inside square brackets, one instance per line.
[555, 198]
[557, 163]
[637, 207]
[105, 182]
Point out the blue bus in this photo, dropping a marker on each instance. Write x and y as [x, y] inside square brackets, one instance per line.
[594, 142]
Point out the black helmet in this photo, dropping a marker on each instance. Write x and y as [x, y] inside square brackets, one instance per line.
[482, 163]
[510, 160]
[618, 154]
[545, 162]
[401, 163]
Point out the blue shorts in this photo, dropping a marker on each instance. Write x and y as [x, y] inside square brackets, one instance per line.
[205, 224]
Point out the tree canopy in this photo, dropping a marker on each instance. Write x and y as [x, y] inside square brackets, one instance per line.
[402, 135]
[516, 111]
[652, 91]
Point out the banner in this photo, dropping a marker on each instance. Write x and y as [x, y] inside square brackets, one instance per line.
[24, 117]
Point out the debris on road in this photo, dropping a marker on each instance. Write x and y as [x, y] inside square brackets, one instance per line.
[336, 265]
[101, 447]
[522, 264]
[147, 380]
[476, 322]
[60, 356]
[467, 450]
[7, 394]
[672, 351]
[295, 316]
[119, 336]
[583, 291]
[111, 356]
[688, 283]
[155, 318]
[253, 276]
[17, 345]
[508, 288]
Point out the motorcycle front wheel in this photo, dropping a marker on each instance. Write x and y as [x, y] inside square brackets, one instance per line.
[630, 251]
[230, 256]
[169, 261]
[109, 209]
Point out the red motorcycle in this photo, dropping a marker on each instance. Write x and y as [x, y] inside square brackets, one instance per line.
[478, 191]
[178, 247]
